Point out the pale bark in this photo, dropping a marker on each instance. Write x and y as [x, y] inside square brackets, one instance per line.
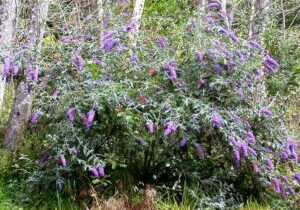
[100, 12]
[136, 18]
[264, 8]
[224, 10]
[251, 19]
[21, 109]
[7, 32]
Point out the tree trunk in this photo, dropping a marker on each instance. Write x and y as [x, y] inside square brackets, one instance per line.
[251, 19]
[224, 10]
[21, 109]
[7, 33]
[100, 15]
[137, 15]
[264, 9]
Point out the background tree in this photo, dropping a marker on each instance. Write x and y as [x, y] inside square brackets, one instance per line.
[22, 104]
[8, 20]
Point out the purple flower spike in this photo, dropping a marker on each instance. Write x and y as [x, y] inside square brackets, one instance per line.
[233, 141]
[171, 70]
[150, 127]
[34, 118]
[233, 37]
[269, 164]
[101, 172]
[200, 151]
[162, 42]
[252, 152]
[16, 69]
[78, 61]
[284, 156]
[170, 128]
[283, 178]
[237, 158]
[209, 19]
[62, 161]
[96, 60]
[254, 44]
[244, 148]
[276, 184]
[34, 73]
[134, 58]
[130, 26]
[270, 64]
[291, 191]
[265, 112]
[297, 177]
[223, 31]
[94, 172]
[6, 67]
[200, 57]
[70, 114]
[108, 41]
[73, 151]
[216, 120]
[183, 144]
[250, 136]
[89, 118]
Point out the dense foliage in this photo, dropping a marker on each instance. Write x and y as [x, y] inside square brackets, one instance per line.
[185, 104]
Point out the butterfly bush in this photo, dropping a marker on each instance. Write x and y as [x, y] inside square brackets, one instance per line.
[189, 104]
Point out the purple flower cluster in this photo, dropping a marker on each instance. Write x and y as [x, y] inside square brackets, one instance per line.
[78, 61]
[73, 151]
[255, 45]
[183, 144]
[250, 137]
[150, 127]
[34, 118]
[171, 70]
[62, 161]
[89, 118]
[270, 64]
[162, 42]
[134, 58]
[70, 114]
[200, 57]
[108, 41]
[130, 26]
[216, 120]
[170, 128]
[97, 171]
[265, 112]
[290, 151]
[200, 151]
[237, 158]
[269, 164]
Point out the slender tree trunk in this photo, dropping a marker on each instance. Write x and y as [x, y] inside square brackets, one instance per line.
[21, 109]
[224, 10]
[7, 33]
[100, 15]
[264, 8]
[251, 19]
[136, 18]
